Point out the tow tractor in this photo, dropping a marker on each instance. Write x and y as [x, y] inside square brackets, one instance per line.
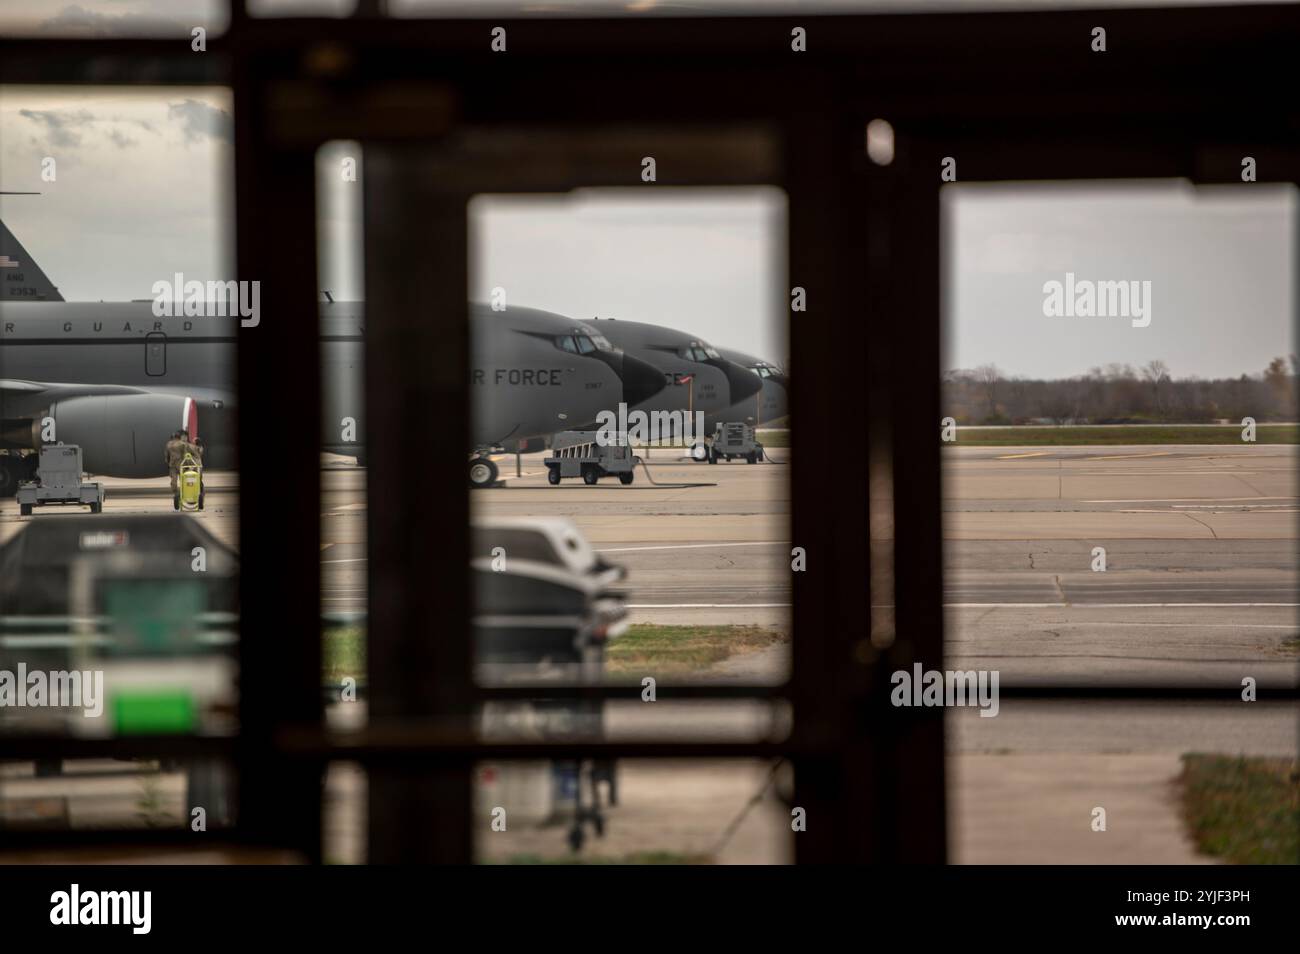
[58, 481]
[735, 439]
[580, 454]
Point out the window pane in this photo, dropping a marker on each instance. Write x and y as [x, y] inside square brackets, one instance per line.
[123, 613]
[114, 18]
[1120, 498]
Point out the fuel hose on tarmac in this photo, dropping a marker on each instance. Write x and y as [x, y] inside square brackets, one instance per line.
[650, 477]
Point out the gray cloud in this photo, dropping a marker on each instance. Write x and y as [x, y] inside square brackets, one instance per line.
[78, 21]
[95, 18]
[199, 121]
[66, 129]
[121, 139]
[62, 127]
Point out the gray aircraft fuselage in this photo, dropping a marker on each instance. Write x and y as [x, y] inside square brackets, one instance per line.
[699, 378]
[770, 403]
[118, 380]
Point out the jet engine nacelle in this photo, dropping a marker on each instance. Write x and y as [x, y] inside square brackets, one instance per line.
[122, 435]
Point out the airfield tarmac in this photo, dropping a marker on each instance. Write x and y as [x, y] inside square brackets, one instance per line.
[1201, 587]
[1201, 581]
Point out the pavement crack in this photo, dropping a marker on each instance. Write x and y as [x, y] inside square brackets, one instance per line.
[1056, 579]
[1252, 487]
[1202, 523]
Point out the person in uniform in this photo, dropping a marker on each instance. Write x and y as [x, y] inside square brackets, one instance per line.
[174, 454]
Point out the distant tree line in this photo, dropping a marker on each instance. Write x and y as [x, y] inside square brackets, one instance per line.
[1122, 394]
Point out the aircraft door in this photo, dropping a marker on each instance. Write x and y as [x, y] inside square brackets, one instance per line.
[155, 354]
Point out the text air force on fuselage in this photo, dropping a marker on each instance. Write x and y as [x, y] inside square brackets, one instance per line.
[522, 377]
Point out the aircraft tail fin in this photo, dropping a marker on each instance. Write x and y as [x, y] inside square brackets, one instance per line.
[21, 279]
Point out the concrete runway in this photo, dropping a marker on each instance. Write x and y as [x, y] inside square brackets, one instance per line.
[1202, 576]
[698, 554]
[220, 514]
[717, 554]
[1201, 587]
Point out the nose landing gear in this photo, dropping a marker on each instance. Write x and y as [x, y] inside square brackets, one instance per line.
[13, 470]
[482, 472]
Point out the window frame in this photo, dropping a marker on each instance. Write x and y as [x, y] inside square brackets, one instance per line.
[857, 232]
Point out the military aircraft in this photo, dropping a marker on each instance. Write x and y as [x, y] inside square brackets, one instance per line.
[118, 380]
[532, 373]
[700, 379]
[766, 405]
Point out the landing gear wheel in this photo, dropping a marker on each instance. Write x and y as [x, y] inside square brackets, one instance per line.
[482, 472]
[751, 457]
[576, 838]
[25, 509]
[10, 474]
[176, 501]
[94, 508]
[626, 479]
[712, 455]
[589, 475]
[553, 475]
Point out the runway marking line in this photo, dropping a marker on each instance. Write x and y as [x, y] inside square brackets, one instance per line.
[981, 606]
[1021, 456]
[1204, 510]
[707, 605]
[1227, 506]
[1162, 473]
[1126, 456]
[1201, 500]
[1111, 605]
[695, 546]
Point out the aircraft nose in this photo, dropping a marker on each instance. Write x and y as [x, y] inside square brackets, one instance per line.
[641, 380]
[743, 382]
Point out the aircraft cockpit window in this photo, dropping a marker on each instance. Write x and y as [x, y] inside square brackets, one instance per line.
[585, 345]
[602, 343]
[566, 343]
[711, 353]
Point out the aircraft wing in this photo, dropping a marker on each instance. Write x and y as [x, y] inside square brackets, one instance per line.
[21, 387]
[54, 390]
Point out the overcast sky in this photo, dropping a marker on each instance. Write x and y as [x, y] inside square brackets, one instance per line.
[1219, 259]
[710, 262]
[143, 184]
